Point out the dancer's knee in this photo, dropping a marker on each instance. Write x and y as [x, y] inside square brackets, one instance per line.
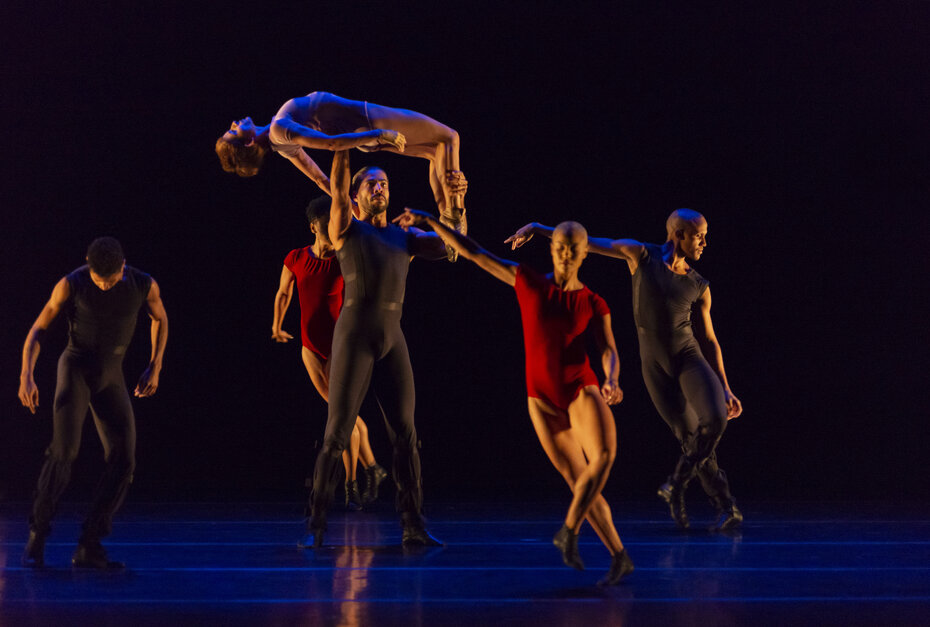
[63, 454]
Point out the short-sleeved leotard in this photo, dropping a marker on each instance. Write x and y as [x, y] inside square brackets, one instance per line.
[554, 322]
[320, 289]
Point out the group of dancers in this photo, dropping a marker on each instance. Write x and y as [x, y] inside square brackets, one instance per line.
[351, 282]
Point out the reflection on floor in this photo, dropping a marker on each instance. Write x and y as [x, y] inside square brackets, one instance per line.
[204, 564]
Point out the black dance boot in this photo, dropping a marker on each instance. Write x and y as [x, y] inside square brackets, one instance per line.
[417, 535]
[620, 566]
[313, 539]
[567, 543]
[674, 494]
[374, 476]
[729, 517]
[34, 555]
[353, 498]
[91, 554]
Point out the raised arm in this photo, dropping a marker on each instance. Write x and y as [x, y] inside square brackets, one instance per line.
[28, 392]
[711, 349]
[282, 300]
[502, 269]
[148, 382]
[340, 213]
[629, 250]
[610, 360]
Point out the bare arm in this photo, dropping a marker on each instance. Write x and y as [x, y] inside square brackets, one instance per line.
[282, 300]
[308, 166]
[285, 130]
[610, 360]
[427, 245]
[711, 349]
[502, 269]
[28, 392]
[629, 250]
[340, 213]
[148, 382]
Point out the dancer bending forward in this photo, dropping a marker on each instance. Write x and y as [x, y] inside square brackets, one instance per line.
[320, 287]
[570, 414]
[325, 121]
[692, 395]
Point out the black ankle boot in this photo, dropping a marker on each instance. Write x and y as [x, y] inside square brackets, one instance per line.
[417, 535]
[34, 555]
[374, 476]
[567, 543]
[730, 518]
[91, 554]
[313, 539]
[674, 494]
[620, 566]
[353, 498]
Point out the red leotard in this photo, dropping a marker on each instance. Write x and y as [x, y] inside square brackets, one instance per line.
[554, 322]
[319, 288]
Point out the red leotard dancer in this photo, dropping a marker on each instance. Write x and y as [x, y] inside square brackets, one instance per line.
[570, 414]
[315, 271]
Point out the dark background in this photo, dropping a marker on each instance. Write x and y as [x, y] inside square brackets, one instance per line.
[801, 132]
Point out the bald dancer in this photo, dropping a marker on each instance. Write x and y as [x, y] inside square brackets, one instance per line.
[684, 373]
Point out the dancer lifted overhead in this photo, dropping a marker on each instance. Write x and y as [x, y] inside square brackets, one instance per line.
[325, 121]
[692, 395]
[102, 301]
[315, 271]
[569, 411]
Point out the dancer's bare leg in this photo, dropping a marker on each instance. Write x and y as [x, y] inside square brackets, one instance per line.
[364, 451]
[566, 453]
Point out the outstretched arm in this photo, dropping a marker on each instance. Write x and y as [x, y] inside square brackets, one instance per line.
[28, 392]
[282, 300]
[148, 382]
[629, 250]
[610, 360]
[308, 166]
[502, 269]
[711, 349]
[340, 213]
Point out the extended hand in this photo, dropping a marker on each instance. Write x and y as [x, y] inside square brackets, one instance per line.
[281, 336]
[734, 406]
[29, 394]
[456, 183]
[611, 392]
[393, 138]
[410, 217]
[148, 383]
[522, 236]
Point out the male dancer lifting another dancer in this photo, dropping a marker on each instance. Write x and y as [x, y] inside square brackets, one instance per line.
[692, 396]
[369, 348]
[569, 412]
[321, 120]
[315, 271]
[102, 301]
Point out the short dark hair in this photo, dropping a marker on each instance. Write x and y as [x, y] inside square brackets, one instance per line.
[241, 159]
[360, 176]
[105, 256]
[318, 209]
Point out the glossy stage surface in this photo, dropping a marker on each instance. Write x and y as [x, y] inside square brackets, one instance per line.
[230, 564]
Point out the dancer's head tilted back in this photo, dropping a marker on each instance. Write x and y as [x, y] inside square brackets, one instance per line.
[318, 217]
[569, 247]
[687, 229]
[369, 189]
[106, 260]
[242, 148]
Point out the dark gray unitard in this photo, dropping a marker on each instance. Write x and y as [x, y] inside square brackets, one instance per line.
[684, 388]
[369, 350]
[90, 374]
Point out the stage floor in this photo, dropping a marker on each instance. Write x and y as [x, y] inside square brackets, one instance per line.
[227, 564]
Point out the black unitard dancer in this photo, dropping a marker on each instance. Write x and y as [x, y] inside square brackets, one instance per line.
[683, 387]
[101, 325]
[369, 349]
